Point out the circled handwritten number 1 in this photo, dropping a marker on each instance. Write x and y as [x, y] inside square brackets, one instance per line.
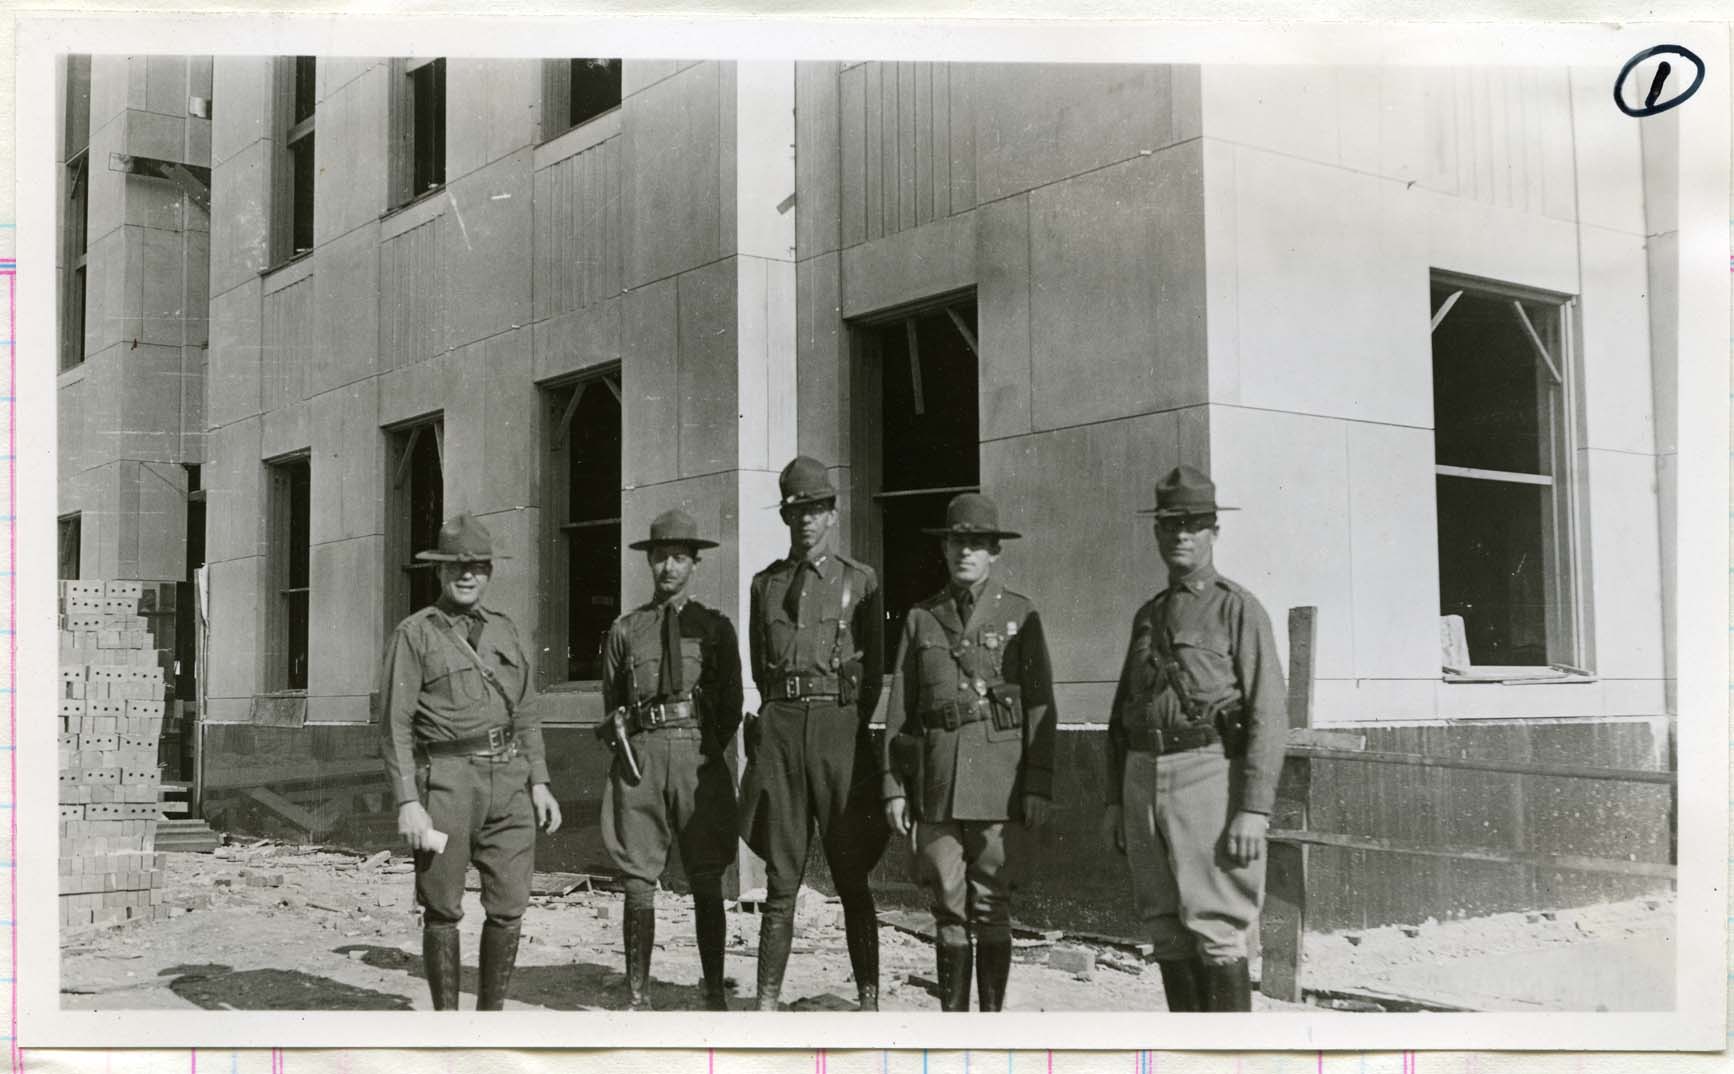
[1654, 103]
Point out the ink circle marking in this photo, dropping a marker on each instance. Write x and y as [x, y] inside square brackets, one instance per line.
[1680, 98]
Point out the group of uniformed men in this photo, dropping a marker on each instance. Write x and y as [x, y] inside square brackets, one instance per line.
[1195, 745]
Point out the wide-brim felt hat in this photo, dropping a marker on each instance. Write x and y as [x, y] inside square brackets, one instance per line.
[970, 514]
[804, 480]
[1185, 490]
[463, 539]
[672, 527]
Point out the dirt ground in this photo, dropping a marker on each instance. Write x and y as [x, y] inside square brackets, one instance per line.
[269, 927]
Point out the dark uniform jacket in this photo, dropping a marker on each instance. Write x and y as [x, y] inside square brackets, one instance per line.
[981, 770]
[1218, 636]
[710, 666]
[835, 638]
[430, 691]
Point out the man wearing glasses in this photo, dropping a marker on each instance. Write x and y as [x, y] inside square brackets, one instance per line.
[465, 762]
[1195, 745]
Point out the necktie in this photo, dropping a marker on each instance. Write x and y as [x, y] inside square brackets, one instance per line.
[965, 604]
[474, 623]
[668, 680]
[792, 596]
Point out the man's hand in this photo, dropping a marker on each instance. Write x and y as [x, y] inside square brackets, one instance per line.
[1246, 837]
[414, 824]
[547, 809]
[1113, 830]
[1036, 810]
[897, 815]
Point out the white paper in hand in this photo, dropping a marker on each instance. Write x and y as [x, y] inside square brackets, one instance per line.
[436, 840]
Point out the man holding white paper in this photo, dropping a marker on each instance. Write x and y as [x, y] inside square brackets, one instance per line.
[466, 762]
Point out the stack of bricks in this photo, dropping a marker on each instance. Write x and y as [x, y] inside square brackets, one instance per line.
[112, 695]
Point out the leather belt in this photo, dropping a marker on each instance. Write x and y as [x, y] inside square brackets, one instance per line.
[1171, 740]
[950, 715]
[495, 741]
[802, 687]
[656, 715]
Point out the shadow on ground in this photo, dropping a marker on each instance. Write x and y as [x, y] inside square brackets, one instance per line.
[574, 986]
[216, 987]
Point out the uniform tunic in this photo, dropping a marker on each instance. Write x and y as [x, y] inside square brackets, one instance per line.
[431, 691]
[686, 793]
[963, 784]
[814, 762]
[1215, 639]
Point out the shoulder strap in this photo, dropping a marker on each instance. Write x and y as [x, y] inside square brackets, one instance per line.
[475, 658]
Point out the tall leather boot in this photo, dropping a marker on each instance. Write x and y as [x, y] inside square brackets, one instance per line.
[1227, 986]
[640, 935]
[1183, 984]
[499, 956]
[775, 934]
[861, 926]
[993, 951]
[711, 928]
[954, 973]
[439, 959]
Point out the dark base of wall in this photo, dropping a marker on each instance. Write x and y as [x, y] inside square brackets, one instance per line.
[325, 785]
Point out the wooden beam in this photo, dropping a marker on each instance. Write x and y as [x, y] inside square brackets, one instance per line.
[403, 460]
[909, 334]
[613, 383]
[439, 431]
[963, 330]
[1535, 340]
[1282, 927]
[1303, 626]
[1476, 764]
[1567, 862]
[563, 428]
[1444, 308]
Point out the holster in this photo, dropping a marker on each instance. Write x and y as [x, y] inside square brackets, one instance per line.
[848, 682]
[1006, 706]
[1229, 715]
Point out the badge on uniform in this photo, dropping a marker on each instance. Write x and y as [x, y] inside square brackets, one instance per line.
[980, 687]
[990, 639]
[1011, 630]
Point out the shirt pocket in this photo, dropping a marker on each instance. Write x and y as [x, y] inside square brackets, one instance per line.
[691, 662]
[455, 678]
[1203, 657]
[938, 669]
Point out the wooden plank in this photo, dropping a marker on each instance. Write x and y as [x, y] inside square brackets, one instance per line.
[1481, 764]
[962, 136]
[939, 149]
[923, 142]
[906, 162]
[1282, 928]
[1318, 738]
[1303, 626]
[1569, 862]
[874, 141]
[852, 89]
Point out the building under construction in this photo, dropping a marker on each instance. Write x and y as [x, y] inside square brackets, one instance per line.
[1417, 322]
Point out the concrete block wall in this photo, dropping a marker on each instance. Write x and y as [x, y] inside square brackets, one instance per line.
[133, 412]
[1329, 198]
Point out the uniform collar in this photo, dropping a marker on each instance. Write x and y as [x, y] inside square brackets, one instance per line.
[975, 591]
[476, 611]
[679, 603]
[1195, 580]
[820, 557]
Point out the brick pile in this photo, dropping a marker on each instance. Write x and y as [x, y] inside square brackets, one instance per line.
[113, 690]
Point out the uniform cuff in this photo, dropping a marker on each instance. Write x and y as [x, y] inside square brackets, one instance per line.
[539, 771]
[891, 787]
[406, 792]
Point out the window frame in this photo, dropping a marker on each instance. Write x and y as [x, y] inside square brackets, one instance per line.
[1563, 538]
[75, 213]
[402, 441]
[560, 402]
[296, 146]
[407, 122]
[866, 526]
[558, 101]
[287, 550]
[70, 523]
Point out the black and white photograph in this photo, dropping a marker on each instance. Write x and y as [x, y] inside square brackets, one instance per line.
[642, 543]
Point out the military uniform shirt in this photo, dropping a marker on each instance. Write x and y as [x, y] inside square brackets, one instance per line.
[710, 664]
[1219, 635]
[431, 691]
[780, 646]
[978, 771]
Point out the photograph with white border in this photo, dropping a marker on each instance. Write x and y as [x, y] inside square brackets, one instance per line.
[1114, 525]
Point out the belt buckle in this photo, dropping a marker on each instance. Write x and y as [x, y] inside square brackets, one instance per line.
[497, 739]
[792, 687]
[1156, 740]
[654, 715]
